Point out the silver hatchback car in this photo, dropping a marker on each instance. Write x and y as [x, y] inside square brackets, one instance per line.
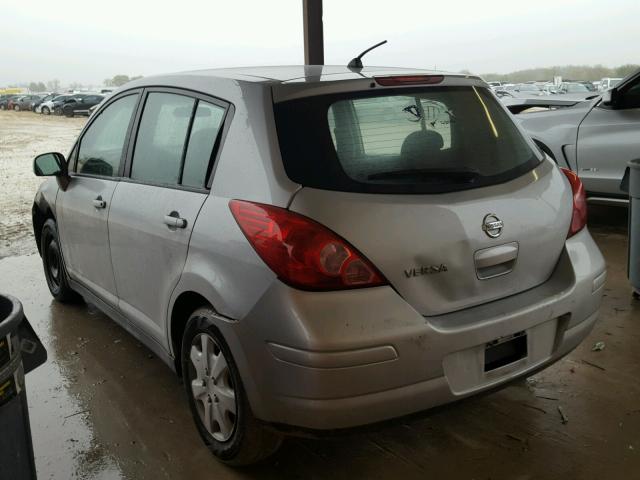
[313, 248]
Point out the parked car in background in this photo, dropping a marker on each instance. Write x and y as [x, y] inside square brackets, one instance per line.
[37, 106]
[576, 91]
[81, 106]
[495, 85]
[596, 139]
[608, 83]
[25, 103]
[528, 90]
[549, 88]
[589, 85]
[48, 106]
[520, 90]
[12, 101]
[312, 253]
[5, 99]
[68, 99]
[94, 108]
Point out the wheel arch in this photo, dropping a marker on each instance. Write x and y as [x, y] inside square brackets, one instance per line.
[183, 306]
[40, 213]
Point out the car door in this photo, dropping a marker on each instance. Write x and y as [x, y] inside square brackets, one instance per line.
[88, 102]
[607, 139]
[83, 208]
[154, 210]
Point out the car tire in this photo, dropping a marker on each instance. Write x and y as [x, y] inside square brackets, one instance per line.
[16, 108]
[68, 114]
[45, 111]
[54, 269]
[229, 428]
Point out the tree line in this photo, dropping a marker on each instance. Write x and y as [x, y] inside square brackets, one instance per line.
[56, 86]
[567, 72]
[119, 80]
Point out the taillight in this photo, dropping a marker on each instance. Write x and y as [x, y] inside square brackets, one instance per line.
[579, 217]
[302, 252]
[398, 80]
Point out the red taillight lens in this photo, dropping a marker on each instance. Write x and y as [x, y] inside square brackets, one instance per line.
[398, 80]
[579, 217]
[303, 253]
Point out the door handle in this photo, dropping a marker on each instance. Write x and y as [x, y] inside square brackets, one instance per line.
[495, 261]
[99, 203]
[173, 220]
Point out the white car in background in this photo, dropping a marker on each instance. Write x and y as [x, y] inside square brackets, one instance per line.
[46, 108]
[608, 83]
[596, 138]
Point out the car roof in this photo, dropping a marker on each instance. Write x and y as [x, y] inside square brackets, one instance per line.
[234, 84]
[292, 73]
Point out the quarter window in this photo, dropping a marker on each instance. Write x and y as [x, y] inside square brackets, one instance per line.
[161, 138]
[102, 144]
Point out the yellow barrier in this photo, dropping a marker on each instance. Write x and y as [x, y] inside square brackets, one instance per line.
[12, 91]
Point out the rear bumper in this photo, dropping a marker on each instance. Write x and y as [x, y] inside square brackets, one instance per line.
[344, 359]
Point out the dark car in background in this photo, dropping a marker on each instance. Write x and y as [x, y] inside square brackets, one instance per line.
[13, 100]
[48, 106]
[60, 103]
[81, 106]
[25, 103]
[4, 101]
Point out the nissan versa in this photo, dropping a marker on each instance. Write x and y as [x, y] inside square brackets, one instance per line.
[318, 248]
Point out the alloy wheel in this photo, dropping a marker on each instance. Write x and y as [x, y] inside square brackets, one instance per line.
[213, 390]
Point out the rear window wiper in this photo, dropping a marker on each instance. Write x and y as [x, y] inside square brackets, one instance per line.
[440, 174]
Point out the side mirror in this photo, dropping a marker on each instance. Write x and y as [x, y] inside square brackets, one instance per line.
[50, 165]
[610, 98]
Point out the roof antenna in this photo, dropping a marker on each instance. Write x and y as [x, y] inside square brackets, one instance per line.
[356, 63]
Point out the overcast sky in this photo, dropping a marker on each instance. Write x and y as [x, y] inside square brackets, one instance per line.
[87, 41]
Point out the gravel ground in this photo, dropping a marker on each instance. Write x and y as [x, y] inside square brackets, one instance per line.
[23, 135]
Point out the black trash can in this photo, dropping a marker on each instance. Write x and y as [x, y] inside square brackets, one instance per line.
[20, 352]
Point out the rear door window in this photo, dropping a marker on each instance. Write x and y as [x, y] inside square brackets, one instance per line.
[427, 140]
[161, 140]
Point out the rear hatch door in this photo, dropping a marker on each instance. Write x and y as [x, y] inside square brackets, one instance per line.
[434, 184]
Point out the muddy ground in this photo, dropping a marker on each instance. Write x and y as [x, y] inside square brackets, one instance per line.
[23, 135]
[103, 407]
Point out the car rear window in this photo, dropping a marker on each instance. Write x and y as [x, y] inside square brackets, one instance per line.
[429, 140]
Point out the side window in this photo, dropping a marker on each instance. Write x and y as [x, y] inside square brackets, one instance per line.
[631, 96]
[204, 132]
[102, 144]
[161, 138]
